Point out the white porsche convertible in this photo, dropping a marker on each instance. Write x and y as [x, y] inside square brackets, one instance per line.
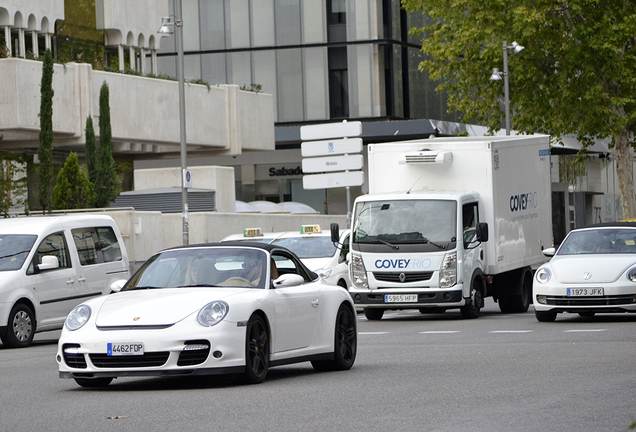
[228, 308]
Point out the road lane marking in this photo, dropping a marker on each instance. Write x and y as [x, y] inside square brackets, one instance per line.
[439, 332]
[512, 331]
[372, 333]
[583, 331]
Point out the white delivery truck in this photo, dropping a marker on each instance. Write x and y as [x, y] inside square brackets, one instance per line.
[450, 221]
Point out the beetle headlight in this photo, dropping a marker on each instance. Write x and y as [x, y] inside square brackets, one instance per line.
[631, 274]
[543, 275]
[212, 313]
[78, 317]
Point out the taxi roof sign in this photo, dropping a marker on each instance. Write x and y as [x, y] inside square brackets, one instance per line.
[252, 232]
[309, 229]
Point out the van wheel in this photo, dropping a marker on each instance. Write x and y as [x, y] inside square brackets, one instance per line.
[20, 327]
[373, 314]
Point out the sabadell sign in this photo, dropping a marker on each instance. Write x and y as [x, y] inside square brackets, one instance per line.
[268, 172]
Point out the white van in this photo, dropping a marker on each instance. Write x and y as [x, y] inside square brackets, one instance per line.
[49, 265]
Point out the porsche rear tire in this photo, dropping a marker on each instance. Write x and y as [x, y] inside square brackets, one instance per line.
[256, 351]
[345, 343]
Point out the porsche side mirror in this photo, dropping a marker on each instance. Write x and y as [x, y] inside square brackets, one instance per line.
[288, 280]
[117, 285]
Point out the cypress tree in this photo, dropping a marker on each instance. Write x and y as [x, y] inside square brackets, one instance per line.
[45, 151]
[91, 150]
[105, 180]
[72, 189]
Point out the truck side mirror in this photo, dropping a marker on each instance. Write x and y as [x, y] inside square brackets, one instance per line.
[335, 233]
[482, 232]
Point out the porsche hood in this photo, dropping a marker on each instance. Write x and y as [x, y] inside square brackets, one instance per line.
[159, 307]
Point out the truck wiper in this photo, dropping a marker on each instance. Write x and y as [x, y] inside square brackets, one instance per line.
[388, 244]
[434, 244]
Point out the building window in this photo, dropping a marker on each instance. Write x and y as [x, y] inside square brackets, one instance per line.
[338, 83]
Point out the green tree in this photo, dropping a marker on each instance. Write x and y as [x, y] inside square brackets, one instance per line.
[45, 151]
[13, 182]
[106, 179]
[72, 189]
[91, 150]
[576, 76]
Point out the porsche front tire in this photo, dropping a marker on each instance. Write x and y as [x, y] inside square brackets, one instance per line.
[345, 343]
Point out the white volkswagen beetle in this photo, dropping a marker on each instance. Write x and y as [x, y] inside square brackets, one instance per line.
[593, 271]
[226, 308]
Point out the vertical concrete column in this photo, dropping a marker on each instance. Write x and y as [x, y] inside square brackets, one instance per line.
[7, 38]
[153, 62]
[142, 60]
[47, 41]
[34, 42]
[21, 44]
[133, 58]
[120, 52]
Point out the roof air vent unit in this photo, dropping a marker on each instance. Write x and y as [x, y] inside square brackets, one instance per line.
[427, 156]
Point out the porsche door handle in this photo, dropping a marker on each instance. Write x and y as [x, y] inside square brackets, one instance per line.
[315, 302]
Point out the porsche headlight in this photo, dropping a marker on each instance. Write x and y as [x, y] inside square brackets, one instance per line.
[78, 317]
[212, 313]
[543, 275]
[631, 274]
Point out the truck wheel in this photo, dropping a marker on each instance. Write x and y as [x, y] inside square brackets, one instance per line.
[518, 303]
[373, 314]
[471, 310]
[20, 328]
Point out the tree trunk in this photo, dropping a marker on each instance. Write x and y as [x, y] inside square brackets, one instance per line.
[624, 171]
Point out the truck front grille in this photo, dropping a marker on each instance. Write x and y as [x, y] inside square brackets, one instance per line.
[408, 277]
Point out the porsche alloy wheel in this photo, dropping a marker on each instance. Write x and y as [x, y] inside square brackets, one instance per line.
[256, 351]
[345, 343]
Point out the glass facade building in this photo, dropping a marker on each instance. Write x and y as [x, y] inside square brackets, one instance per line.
[321, 60]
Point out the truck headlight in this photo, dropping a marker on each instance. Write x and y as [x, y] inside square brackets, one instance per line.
[448, 271]
[358, 272]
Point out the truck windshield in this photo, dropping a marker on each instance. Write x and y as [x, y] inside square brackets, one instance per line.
[405, 221]
[14, 249]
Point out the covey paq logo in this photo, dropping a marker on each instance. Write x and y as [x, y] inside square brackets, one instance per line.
[402, 263]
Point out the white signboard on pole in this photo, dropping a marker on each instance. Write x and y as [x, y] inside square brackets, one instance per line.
[330, 130]
[329, 147]
[332, 163]
[333, 180]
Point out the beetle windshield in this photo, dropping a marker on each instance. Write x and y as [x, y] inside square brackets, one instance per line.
[599, 241]
[14, 249]
[202, 267]
[405, 221]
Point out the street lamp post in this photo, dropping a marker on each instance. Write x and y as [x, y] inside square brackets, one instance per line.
[166, 23]
[496, 76]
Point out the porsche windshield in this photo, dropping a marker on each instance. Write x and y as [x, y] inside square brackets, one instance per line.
[14, 249]
[202, 267]
[403, 222]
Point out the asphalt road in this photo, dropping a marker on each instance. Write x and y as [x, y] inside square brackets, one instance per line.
[413, 373]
